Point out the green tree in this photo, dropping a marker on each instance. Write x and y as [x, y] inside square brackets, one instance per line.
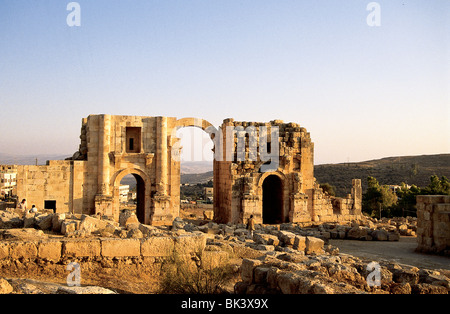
[328, 188]
[406, 204]
[438, 186]
[378, 198]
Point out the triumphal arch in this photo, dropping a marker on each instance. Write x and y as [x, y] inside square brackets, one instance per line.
[260, 169]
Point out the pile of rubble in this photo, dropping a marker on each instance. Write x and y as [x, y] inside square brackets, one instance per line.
[75, 225]
[287, 258]
[289, 273]
[78, 226]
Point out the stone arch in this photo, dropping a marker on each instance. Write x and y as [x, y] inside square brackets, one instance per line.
[195, 122]
[272, 186]
[143, 207]
[207, 127]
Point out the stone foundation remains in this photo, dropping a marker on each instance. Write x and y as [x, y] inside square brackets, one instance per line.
[433, 224]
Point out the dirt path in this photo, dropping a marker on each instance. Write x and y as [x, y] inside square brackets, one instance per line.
[401, 252]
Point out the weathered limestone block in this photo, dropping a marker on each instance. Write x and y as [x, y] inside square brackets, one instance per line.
[69, 226]
[380, 235]
[91, 224]
[120, 247]
[82, 248]
[126, 215]
[214, 259]
[425, 288]
[406, 276]
[400, 288]
[314, 245]
[50, 250]
[300, 243]
[240, 232]
[135, 233]
[189, 243]
[4, 250]
[9, 220]
[393, 236]
[28, 220]
[286, 237]
[44, 222]
[157, 246]
[27, 250]
[247, 269]
[147, 230]
[262, 247]
[5, 287]
[272, 275]
[288, 282]
[57, 222]
[260, 275]
[265, 239]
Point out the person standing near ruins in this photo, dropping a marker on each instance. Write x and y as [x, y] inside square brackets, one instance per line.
[251, 225]
[23, 205]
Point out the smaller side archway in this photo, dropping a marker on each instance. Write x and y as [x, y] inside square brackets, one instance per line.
[272, 187]
[143, 205]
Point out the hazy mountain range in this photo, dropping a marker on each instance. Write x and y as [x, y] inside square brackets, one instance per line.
[9, 159]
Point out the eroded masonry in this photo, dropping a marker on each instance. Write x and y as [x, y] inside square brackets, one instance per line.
[260, 169]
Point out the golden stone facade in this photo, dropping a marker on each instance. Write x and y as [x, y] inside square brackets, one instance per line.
[260, 169]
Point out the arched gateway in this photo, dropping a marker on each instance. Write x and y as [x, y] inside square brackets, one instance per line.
[260, 169]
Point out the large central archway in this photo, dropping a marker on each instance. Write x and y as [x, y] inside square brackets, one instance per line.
[143, 205]
[194, 150]
[272, 200]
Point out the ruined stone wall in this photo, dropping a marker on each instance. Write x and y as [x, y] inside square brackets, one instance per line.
[250, 156]
[60, 181]
[335, 209]
[112, 156]
[433, 224]
[55, 250]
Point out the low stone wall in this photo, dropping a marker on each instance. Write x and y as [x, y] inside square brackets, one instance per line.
[433, 224]
[56, 250]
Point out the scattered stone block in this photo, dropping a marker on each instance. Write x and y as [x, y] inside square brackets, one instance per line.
[314, 245]
[5, 287]
[247, 269]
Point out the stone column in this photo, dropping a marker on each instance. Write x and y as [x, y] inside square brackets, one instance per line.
[104, 199]
[161, 155]
[103, 154]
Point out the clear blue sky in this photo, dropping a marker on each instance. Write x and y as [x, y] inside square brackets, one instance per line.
[362, 92]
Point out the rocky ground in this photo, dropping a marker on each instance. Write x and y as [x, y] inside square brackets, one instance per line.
[287, 258]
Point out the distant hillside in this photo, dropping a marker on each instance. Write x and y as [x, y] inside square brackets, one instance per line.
[195, 178]
[8, 159]
[415, 170]
[188, 167]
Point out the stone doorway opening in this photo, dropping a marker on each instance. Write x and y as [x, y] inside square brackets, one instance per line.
[272, 200]
[132, 195]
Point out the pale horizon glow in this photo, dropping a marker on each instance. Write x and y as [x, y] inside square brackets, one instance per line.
[363, 92]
